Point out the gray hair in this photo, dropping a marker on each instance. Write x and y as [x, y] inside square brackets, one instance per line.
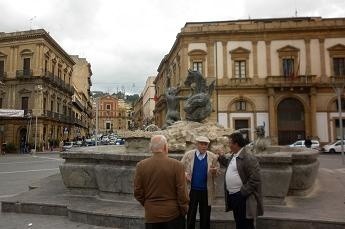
[157, 143]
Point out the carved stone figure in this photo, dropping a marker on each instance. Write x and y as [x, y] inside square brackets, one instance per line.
[173, 106]
[198, 105]
[261, 143]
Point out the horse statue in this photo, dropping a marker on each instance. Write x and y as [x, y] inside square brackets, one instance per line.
[198, 105]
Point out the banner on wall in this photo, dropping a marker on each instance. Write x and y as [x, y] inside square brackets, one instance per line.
[11, 113]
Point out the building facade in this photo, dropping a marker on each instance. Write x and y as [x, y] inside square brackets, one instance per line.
[37, 74]
[81, 99]
[148, 101]
[276, 72]
[112, 114]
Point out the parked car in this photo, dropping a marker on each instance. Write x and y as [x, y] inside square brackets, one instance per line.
[333, 147]
[67, 145]
[120, 141]
[315, 144]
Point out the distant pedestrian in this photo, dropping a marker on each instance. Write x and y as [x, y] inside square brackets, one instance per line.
[201, 168]
[242, 183]
[159, 186]
[308, 142]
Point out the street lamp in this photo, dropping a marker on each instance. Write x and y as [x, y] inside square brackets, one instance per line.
[338, 86]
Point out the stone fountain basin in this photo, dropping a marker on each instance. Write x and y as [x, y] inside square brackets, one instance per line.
[107, 172]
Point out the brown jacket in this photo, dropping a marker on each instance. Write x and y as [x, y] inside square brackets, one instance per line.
[160, 186]
[249, 171]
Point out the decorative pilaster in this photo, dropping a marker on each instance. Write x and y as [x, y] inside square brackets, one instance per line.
[322, 58]
[255, 58]
[225, 60]
[312, 112]
[307, 56]
[210, 59]
[272, 116]
[268, 57]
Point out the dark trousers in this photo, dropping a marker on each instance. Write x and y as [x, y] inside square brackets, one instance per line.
[238, 204]
[178, 223]
[198, 198]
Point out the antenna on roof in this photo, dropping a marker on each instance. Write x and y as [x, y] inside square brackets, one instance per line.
[31, 19]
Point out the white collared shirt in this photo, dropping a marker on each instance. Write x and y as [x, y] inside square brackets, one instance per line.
[200, 155]
[232, 178]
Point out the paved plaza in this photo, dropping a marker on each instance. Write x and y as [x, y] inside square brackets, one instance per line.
[324, 207]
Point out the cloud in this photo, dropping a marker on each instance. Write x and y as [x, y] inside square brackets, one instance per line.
[125, 41]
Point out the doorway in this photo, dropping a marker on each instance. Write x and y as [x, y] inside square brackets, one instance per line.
[291, 121]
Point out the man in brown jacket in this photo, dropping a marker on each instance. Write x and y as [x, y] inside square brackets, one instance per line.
[242, 185]
[160, 186]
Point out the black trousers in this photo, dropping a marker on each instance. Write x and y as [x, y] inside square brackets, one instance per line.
[178, 223]
[238, 204]
[198, 198]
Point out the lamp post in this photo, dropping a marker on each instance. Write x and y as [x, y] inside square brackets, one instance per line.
[338, 86]
[96, 138]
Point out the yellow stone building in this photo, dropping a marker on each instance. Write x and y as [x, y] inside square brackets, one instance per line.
[275, 72]
[37, 76]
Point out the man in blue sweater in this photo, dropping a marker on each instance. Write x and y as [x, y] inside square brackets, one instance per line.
[201, 167]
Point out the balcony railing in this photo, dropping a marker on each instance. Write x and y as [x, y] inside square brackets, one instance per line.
[57, 82]
[300, 80]
[24, 74]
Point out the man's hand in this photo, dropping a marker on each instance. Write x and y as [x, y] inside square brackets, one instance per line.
[213, 170]
[188, 177]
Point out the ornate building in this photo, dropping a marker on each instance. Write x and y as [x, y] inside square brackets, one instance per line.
[277, 72]
[111, 114]
[37, 74]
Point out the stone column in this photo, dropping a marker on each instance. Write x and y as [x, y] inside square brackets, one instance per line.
[255, 58]
[268, 57]
[307, 56]
[225, 61]
[210, 59]
[322, 59]
[272, 116]
[312, 113]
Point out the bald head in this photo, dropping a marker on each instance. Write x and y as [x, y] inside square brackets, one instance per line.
[159, 144]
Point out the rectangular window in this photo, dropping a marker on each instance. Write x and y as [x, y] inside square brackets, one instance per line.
[2, 69]
[45, 66]
[52, 106]
[26, 67]
[0, 102]
[240, 69]
[44, 104]
[108, 106]
[339, 66]
[25, 104]
[53, 69]
[197, 66]
[288, 68]
[107, 125]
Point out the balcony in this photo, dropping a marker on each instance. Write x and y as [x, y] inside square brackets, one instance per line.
[24, 74]
[57, 82]
[298, 81]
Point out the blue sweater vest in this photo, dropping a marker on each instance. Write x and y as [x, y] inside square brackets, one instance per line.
[199, 177]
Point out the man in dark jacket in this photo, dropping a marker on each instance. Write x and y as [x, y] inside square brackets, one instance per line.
[160, 186]
[242, 183]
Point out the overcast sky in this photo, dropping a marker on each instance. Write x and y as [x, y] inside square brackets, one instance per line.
[124, 41]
